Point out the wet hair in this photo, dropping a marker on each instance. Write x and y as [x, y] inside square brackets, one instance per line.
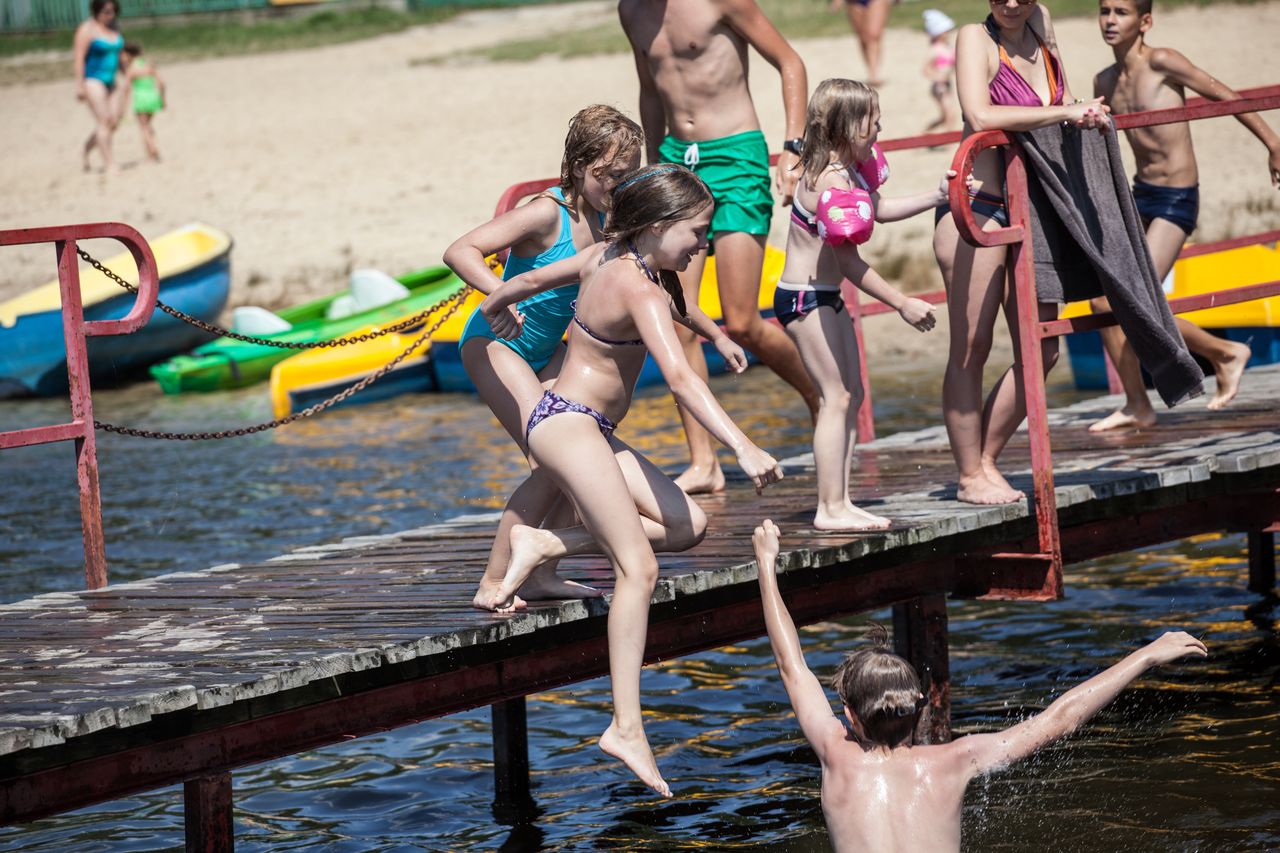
[132, 48]
[96, 6]
[652, 195]
[596, 132]
[836, 106]
[881, 689]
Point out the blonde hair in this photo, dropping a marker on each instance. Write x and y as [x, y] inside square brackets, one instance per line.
[652, 195]
[596, 132]
[881, 689]
[837, 106]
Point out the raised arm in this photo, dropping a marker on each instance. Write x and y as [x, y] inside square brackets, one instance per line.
[499, 306]
[973, 76]
[527, 230]
[651, 313]
[1181, 70]
[983, 753]
[813, 710]
[749, 22]
[916, 312]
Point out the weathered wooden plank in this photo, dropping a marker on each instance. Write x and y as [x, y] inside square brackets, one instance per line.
[200, 641]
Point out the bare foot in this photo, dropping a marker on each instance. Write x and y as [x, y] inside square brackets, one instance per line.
[490, 597]
[1125, 418]
[1228, 373]
[701, 481]
[848, 518]
[993, 475]
[547, 585]
[634, 752]
[980, 490]
[530, 548]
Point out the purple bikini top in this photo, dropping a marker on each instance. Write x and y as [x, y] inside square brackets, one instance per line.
[1009, 89]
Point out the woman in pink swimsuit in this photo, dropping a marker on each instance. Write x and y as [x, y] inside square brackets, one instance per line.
[1009, 77]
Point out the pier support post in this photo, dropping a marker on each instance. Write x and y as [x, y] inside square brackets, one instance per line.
[511, 752]
[207, 802]
[920, 636]
[1262, 561]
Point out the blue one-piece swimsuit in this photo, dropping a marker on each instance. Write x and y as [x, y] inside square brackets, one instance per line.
[546, 315]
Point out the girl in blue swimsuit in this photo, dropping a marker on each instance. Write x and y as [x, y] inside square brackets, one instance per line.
[511, 366]
[630, 296]
[96, 56]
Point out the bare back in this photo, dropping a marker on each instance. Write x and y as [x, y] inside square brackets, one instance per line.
[882, 800]
[697, 62]
[1163, 153]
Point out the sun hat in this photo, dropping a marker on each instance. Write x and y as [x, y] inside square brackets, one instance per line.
[936, 23]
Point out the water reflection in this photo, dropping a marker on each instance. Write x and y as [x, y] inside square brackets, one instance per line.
[1147, 776]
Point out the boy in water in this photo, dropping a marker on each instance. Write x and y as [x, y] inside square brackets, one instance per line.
[880, 792]
[696, 110]
[1165, 187]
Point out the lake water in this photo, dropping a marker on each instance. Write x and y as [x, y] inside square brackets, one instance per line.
[1186, 760]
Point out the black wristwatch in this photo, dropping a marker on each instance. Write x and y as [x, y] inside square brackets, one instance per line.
[795, 146]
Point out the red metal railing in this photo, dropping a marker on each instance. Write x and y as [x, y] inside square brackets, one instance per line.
[74, 332]
[1020, 270]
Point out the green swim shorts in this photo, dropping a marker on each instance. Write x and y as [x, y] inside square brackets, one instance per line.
[736, 168]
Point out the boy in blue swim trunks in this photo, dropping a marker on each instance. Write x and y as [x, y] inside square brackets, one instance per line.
[1165, 187]
[696, 110]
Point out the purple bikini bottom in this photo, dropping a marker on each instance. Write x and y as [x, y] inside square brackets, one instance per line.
[553, 404]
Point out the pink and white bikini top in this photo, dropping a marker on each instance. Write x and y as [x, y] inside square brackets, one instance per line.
[846, 215]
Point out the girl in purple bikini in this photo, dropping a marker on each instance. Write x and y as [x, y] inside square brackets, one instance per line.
[1009, 77]
[628, 303]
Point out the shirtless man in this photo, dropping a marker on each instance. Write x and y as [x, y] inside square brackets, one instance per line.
[1165, 187]
[881, 793]
[696, 110]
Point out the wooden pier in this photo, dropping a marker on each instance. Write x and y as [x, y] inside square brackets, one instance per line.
[185, 677]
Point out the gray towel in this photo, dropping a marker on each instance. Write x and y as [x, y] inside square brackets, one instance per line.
[1088, 240]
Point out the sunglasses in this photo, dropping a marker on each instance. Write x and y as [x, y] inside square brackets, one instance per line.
[1005, 2]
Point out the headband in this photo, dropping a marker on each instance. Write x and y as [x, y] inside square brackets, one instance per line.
[661, 170]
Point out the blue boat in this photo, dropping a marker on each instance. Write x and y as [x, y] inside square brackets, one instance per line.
[194, 263]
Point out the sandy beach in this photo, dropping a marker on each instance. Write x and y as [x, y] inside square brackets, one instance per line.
[323, 160]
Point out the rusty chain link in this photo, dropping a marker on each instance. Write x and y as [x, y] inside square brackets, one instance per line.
[457, 299]
[249, 339]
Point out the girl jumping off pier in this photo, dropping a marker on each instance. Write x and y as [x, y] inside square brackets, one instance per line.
[627, 300]
[510, 374]
[837, 202]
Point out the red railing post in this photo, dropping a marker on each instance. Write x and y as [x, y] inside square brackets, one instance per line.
[1020, 268]
[74, 332]
[866, 426]
[95, 555]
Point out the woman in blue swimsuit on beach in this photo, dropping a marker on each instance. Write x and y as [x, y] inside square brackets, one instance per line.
[96, 57]
[511, 366]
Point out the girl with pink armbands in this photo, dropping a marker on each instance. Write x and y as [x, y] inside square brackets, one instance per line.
[837, 203]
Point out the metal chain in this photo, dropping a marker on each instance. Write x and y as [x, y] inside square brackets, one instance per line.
[249, 339]
[457, 299]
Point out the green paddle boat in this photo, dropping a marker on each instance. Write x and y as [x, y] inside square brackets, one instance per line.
[227, 363]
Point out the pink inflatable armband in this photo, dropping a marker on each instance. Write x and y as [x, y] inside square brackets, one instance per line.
[845, 216]
[874, 170]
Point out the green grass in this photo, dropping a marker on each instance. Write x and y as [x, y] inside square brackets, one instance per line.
[223, 35]
[794, 18]
[229, 35]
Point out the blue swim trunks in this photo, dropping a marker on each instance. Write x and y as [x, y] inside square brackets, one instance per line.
[546, 315]
[1179, 205]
